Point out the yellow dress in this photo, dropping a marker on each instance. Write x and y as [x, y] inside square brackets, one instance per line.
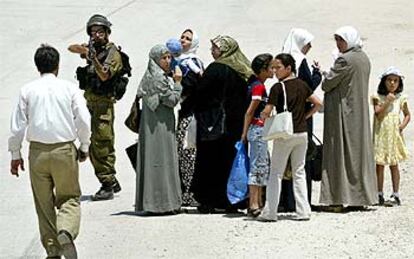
[389, 145]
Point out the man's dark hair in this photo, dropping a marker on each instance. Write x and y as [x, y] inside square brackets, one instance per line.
[46, 59]
[261, 62]
[382, 88]
[287, 60]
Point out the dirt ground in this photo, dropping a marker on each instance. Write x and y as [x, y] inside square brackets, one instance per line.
[109, 229]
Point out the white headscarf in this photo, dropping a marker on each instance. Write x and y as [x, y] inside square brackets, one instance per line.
[294, 43]
[186, 57]
[191, 52]
[350, 35]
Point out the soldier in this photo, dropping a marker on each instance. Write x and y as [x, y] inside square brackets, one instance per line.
[104, 65]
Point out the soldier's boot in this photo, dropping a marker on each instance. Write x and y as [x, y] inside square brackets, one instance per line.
[116, 186]
[104, 193]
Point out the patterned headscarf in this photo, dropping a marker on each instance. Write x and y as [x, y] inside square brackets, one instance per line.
[155, 81]
[232, 56]
[294, 43]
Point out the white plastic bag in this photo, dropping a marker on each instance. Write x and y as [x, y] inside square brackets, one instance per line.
[191, 134]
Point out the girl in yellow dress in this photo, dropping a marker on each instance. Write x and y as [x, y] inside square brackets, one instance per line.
[389, 143]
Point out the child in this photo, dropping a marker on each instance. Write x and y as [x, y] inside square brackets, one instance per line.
[296, 93]
[389, 144]
[186, 61]
[175, 48]
[252, 131]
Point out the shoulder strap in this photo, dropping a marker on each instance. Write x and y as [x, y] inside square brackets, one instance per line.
[319, 141]
[110, 52]
[284, 96]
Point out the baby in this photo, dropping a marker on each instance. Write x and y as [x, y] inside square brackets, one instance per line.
[175, 48]
[186, 63]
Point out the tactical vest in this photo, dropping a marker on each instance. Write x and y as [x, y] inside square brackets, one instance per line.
[113, 87]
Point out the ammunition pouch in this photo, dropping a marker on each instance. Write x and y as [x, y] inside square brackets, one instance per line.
[119, 85]
[115, 86]
[82, 77]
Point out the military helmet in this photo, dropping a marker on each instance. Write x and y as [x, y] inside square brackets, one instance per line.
[98, 19]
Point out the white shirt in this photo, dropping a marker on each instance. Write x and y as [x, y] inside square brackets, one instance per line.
[53, 111]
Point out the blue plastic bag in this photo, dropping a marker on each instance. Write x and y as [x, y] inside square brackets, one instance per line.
[237, 185]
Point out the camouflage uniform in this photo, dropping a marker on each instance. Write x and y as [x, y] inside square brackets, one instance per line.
[101, 107]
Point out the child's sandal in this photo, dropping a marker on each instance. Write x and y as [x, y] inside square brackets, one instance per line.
[253, 212]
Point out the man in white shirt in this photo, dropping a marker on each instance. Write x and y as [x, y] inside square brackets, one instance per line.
[55, 114]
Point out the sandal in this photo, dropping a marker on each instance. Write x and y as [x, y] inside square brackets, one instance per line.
[253, 212]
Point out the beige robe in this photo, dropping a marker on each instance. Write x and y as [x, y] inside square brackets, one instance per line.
[348, 176]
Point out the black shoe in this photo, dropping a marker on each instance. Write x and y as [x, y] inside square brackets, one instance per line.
[105, 193]
[396, 200]
[68, 247]
[316, 208]
[205, 209]
[231, 210]
[116, 186]
[381, 200]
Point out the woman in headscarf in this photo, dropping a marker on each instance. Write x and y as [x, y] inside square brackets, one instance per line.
[348, 176]
[158, 184]
[221, 101]
[192, 68]
[298, 43]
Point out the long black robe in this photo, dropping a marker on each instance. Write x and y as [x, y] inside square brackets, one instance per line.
[214, 158]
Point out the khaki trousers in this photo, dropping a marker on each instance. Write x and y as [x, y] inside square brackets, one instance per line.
[102, 150]
[54, 176]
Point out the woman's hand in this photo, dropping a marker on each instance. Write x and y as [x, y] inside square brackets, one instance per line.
[316, 105]
[266, 111]
[177, 74]
[316, 65]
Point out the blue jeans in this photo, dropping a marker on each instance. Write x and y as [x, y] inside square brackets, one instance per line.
[259, 156]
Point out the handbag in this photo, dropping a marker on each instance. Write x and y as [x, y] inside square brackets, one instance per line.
[316, 174]
[279, 125]
[134, 117]
[211, 124]
[132, 152]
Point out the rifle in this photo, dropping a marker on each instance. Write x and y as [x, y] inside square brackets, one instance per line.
[91, 48]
